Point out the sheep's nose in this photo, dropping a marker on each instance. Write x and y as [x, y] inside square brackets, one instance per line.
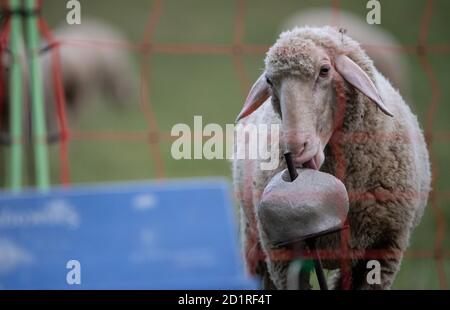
[298, 143]
[299, 148]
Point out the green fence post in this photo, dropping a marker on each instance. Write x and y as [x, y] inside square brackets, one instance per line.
[37, 99]
[16, 100]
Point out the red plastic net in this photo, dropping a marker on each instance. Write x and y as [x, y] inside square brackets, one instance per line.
[238, 50]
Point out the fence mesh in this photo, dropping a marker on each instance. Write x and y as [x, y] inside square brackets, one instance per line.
[237, 51]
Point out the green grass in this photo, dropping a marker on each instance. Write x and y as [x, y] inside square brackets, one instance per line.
[186, 85]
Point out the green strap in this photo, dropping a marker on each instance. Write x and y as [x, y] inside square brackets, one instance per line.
[307, 265]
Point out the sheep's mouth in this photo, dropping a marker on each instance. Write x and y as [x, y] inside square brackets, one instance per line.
[311, 164]
[309, 160]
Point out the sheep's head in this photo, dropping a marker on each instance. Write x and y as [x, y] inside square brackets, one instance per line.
[303, 70]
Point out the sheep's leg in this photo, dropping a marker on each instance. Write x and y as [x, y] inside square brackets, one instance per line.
[267, 283]
[388, 268]
[379, 232]
[278, 271]
[363, 275]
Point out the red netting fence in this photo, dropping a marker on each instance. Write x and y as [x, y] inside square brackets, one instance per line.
[237, 51]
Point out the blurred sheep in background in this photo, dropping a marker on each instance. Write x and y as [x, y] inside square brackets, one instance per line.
[92, 65]
[91, 68]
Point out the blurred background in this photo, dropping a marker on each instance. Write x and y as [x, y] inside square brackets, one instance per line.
[199, 57]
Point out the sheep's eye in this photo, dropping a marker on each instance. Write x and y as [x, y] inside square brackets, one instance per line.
[269, 81]
[324, 70]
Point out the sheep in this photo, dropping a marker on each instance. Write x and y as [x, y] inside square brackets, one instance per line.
[336, 111]
[86, 71]
[378, 43]
[89, 69]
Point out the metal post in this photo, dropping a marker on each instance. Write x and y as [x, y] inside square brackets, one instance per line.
[318, 265]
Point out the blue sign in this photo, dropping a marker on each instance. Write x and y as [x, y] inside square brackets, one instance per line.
[160, 235]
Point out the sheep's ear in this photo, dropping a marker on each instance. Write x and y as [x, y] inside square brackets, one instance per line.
[354, 75]
[257, 96]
